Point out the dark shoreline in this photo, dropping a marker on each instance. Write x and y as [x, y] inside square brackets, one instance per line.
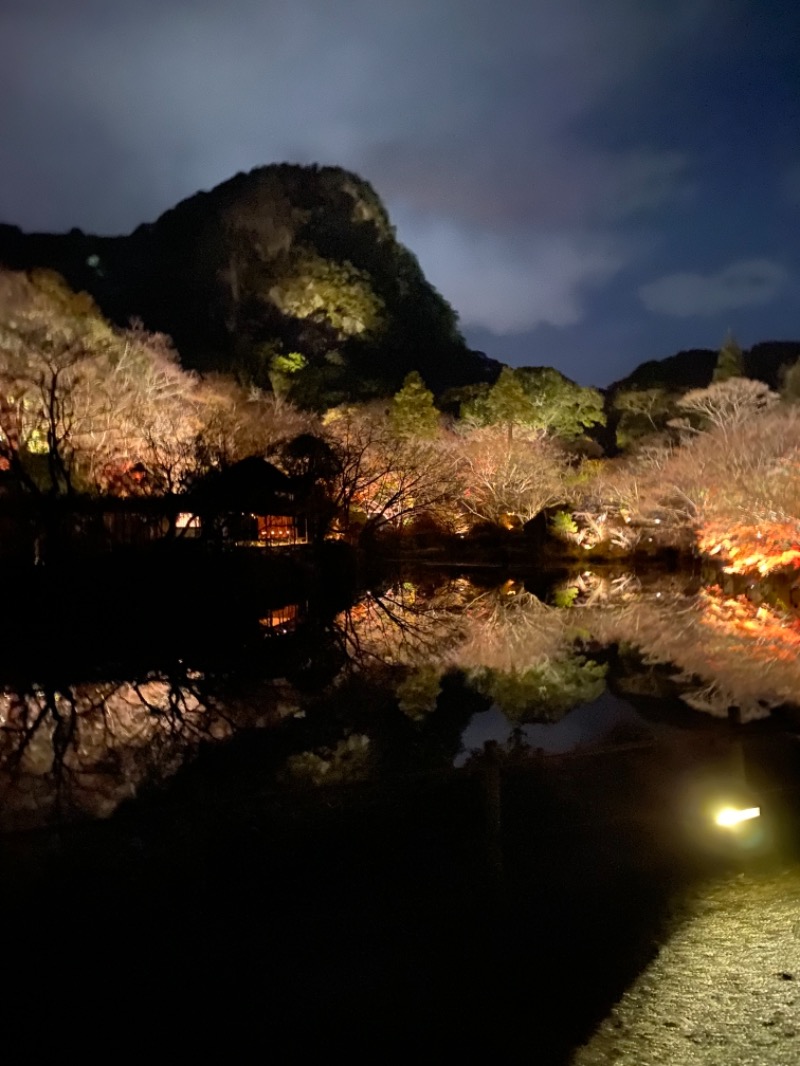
[421, 911]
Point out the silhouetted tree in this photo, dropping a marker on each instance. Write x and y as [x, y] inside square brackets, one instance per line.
[730, 361]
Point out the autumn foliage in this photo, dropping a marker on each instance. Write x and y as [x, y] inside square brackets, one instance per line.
[87, 407]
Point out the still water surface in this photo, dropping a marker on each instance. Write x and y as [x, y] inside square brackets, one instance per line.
[450, 813]
[414, 677]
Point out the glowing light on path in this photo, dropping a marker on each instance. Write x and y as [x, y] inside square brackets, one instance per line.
[729, 817]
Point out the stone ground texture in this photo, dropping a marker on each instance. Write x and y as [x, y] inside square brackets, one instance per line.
[724, 989]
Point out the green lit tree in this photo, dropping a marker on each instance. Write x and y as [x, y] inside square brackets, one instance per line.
[504, 404]
[559, 405]
[283, 368]
[642, 413]
[412, 412]
[538, 399]
[332, 293]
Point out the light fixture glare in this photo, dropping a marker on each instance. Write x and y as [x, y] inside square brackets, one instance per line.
[729, 817]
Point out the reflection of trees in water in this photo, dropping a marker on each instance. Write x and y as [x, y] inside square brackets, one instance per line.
[545, 691]
[589, 588]
[724, 651]
[511, 647]
[523, 655]
[395, 642]
[508, 629]
[719, 651]
[348, 760]
[454, 626]
[404, 625]
[87, 747]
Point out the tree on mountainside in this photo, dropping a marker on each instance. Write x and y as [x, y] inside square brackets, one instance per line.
[504, 404]
[412, 412]
[282, 370]
[333, 294]
[730, 361]
[561, 406]
[536, 399]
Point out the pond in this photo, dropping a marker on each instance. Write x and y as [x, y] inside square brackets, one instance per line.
[471, 796]
[414, 676]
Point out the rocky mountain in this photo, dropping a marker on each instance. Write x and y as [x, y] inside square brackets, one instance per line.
[289, 276]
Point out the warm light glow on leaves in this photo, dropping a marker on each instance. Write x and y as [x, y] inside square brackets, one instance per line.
[385, 479]
[777, 635]
[720, 651]
[88, 747]
[517, 477]
[727, 402]
[746, 549]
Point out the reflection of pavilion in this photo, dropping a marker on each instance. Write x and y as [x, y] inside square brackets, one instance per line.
[281, 619]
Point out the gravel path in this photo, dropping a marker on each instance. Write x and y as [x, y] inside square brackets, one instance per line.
[724, 990]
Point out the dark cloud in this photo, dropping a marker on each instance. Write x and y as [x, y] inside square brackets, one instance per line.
[746, 283]
[531, 154]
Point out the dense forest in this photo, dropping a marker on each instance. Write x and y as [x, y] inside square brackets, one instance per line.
[277, 317]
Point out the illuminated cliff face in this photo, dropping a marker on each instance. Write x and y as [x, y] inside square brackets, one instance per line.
[335, 293]
[298, 258]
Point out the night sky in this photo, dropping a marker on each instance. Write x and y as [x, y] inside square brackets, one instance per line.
[590, 183]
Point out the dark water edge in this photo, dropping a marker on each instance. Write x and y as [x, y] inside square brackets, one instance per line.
[502, 908]
[130, 610]
[382, 916]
